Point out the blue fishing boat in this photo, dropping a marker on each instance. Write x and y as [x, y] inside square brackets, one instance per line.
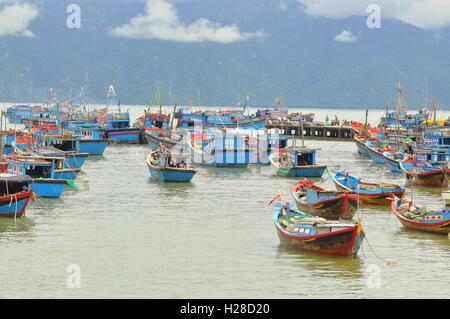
[366, 192]
[306, 232]
[118, 124]
[297, 162]
[163, 167]
[393, 159]
[90, 138]
[42, 173]
[15, 195]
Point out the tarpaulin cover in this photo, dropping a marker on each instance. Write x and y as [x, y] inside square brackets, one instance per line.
[14, 184]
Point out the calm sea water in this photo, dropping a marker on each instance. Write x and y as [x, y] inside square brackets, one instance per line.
[134, 237]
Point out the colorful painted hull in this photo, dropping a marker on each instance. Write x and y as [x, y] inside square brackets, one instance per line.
[340, 207]
[302, 171]
[343, 242]
[376, 156]
[15, 205]
[123, 135]
[369, 193]
[434, 222]
[362, 148]
[48, 187]
[431, 179]
[93, 146]
[426, 176]
[392, 164]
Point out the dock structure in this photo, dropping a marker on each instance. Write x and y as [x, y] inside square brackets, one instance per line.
[312, 132]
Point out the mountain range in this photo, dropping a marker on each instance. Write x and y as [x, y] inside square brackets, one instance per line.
[279, 51]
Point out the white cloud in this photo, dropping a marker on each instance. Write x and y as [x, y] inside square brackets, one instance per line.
[16, 17]
[425, 14]
[345, 36]
[161, 21]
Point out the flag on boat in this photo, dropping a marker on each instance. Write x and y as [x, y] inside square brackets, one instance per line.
[276, 198]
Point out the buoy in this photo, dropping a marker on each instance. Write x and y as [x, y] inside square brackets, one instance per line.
[389, 262]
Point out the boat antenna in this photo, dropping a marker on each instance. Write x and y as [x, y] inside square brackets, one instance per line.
[303, 137]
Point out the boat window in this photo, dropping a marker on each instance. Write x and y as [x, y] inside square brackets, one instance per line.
[39, 171]
[65, 146]
[305, 159]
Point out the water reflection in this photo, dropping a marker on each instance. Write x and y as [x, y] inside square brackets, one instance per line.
[326, 265]
[11, 225]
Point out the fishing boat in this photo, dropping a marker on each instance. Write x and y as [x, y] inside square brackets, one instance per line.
[432, 174]
[297, 162]
[366, 192]
[118, 124]
[15, 195]
[419, 218]
[333, 205]
[42, 173]
[163, 167]
[376, 152]
[361, 140]
[315, 234]
[393, 159]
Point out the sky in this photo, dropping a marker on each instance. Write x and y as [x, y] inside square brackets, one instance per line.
[161, 19]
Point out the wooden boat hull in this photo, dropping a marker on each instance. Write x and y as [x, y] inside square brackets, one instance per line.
[93, 147]
[393, 165]
[340, 243]
[171, 174]
[362, 148]
[48, 187]
[375, 199]
[434, 222]
[342, 207]
[432, 179]
[379, 195]
[302, 171]
[376, 156]
[15, 205]
[123, 135]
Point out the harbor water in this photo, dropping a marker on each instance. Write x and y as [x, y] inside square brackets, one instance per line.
[130, 236]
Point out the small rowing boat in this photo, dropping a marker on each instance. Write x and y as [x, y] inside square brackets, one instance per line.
[316, 200]
[419, 218]
[366, 192]
[315, 234]
[162, 166]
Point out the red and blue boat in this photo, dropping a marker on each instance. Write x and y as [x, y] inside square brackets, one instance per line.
[366, 192]
[431, 174]
[316, 200]
[314, 234]
[419, 218]
[16, 195]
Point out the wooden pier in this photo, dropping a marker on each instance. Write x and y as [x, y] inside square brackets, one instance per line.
[313, 132]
